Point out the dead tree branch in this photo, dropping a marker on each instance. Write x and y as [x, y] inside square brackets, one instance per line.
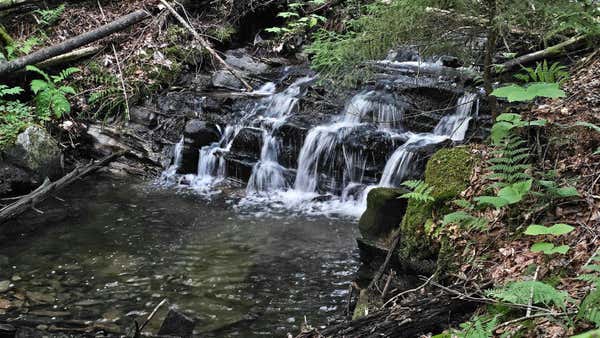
[47, 188]
[75, 42]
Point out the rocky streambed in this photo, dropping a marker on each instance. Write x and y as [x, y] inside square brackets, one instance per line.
[246, 221]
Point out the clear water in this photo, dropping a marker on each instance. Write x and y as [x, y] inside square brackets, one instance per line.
[123, 247]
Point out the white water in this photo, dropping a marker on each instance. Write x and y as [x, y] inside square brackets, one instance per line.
[324, 159]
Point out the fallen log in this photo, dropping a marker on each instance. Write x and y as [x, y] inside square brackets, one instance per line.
[75, 42]
[422, 314]
[539, 55]
[7, 4]
[205, 44]
[75, 55]
[41, 193]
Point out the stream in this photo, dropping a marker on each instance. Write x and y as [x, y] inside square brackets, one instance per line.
[123, 247]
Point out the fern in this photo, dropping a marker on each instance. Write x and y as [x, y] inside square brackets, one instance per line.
[14, 115]
[48, 17]
[479, 327]
[509, 162]
[465, 220]
[50, 98]
[421, 191]
[520, 293]
[555, 73]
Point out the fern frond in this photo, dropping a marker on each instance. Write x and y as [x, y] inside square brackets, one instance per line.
[520, 292]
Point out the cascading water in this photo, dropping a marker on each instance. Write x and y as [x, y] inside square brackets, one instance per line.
[335, 158]
[453, 127]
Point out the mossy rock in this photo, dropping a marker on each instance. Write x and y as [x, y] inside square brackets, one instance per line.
[448, 171]
[384, 213]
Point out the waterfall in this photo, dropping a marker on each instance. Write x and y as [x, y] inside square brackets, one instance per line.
[377, 107]
[267, 174]
[456, 125]
[453, 127]
[211, 165]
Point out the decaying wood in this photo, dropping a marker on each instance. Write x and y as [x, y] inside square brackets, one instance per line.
[419, 315]
[75, 42]
[386, 263]
[205, 44]
[6, 4]
[539, 55]
[75, 55]
[47, 188]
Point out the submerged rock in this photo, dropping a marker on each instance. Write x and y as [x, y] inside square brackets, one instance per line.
[384, 213]
[197, 134]
[177, 324]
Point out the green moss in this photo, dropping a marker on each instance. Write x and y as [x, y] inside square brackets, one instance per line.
[448, 172]
[367, 301]
[223, 33]
[383, 214]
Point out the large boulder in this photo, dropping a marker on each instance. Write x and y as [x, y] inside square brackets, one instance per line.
[385, 209]
[448, 172]
[239, 58]
[197, 134]
[35, 153]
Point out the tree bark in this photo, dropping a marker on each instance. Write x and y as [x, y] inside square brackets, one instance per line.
[430, 313]
[6, 4]
[42, 192]
[490, 50]
[75, 42]
[541, 54]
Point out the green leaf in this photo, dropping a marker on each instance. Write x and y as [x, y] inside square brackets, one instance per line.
[588, 125]
[497, 202]
[520, 293]
[500, 131]
[549, 248]
[512, 93]
[39, 71]
[544, 89]
[38, 86]
[556, 229]
[523, 187]
[567, 192]
[588, 334]
[67, 90]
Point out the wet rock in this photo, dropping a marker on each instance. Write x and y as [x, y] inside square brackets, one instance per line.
[177, 324]
[44, 313]
[384, 213]
[292, 135]
[239, 167]
[36, 152]
[14, 180]
[197, 134]
[180, 104]
[7, 331]
[450, 61]
[108, 328]
[248, 142]
[224, 79]
[89, 302]
[40, 297]
[143, 116]
[5, 304]
[240, 59]
[16, 278]
[4, 286]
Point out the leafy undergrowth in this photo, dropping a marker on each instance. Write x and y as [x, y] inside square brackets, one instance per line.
[511, 252]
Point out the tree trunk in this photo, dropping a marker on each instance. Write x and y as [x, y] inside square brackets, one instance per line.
[75, 42]
[490, 50]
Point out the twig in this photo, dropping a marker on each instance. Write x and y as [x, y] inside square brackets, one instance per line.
[385, 264]
[121, 77]
[486, 300]
[409, 291]
[205, 44]
[537, 315]
[535, 276]
[163, 302]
